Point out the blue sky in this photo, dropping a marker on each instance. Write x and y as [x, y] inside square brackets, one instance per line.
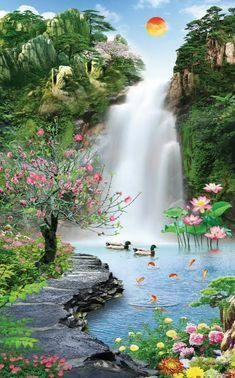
[129, 18]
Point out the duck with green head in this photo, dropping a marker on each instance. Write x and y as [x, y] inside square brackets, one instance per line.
[145, 252]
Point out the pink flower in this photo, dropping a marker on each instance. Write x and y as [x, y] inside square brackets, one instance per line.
[1, 191]
[196, 339]
[40, 132]
[15, 369]
[9, 155]
[178, 346]
[89, 167]
[60, 373]
[216, 233]
[192, 220]
[201, 204]
[78, 138]
[23, 202]
[2, 366]
[23, 155]
[97, 177]
[112, 218]
[216, 337]
[213, 188]
[128, 199]
[69, 153]
[191, 328]
[186, 352]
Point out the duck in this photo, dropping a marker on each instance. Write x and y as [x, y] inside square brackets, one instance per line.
[118, 246]
[144, 252]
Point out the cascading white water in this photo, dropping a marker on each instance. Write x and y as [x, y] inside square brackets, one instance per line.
[143, 153]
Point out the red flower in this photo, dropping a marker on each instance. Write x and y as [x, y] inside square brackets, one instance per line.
[97, 177]
[40, 132]
[78, 138]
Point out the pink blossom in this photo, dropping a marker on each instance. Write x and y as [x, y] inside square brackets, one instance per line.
[40, 132]
[128, 199]
[216, 337]
[97, 177]
[191, 328]
[186, 352]
[213, 188]
[201, 204]
[78, 138]
[23, 155]
[192, 220]
[23, 202]
[89, 167]
[112, 218]
[216, 233]
[216, 327]
[196, 339]
[9, 155]
[1, 191]
[2, 366]
[178, 346]
[15, 369]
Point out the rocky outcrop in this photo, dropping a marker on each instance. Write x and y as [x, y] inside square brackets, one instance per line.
[181, 85]
[219, 54]
[229, 324]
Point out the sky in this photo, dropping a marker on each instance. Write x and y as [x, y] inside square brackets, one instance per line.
[129, 18]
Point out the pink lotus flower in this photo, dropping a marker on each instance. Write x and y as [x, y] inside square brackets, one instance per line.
[9, 155]
[216, 337]
[89, 167]
[196, 339]
[40, 132]
[216, 233]
[213, 188]
[128, 199]
[201, 204]
[23, 202]
[186, 352]
[191, 328]
[97, 177]
[78, 138]
[112, 218]
[178, 346]
[192, 220]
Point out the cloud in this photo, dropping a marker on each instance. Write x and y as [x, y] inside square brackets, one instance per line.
[22, 8]
[198, 11]
[111, 16]
[151, 3]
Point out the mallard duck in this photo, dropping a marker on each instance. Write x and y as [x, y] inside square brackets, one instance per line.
[144, 252]
[118, 246]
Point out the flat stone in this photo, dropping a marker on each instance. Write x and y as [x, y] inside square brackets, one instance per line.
[87, 278]
[42, 314]
[52, 295]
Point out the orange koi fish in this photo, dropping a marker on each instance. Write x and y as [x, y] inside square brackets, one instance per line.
[191, 262]
[151, 263]
[204, 274]
[153, 298]
[140, 280]
[173, 275]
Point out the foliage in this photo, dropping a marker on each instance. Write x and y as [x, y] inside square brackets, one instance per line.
[217, 293]
[166, 343]
[97, 23]
[43, 366]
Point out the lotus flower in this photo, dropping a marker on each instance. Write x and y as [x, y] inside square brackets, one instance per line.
[192, 220]
[216, 233]
[201, 204]
[213, 188]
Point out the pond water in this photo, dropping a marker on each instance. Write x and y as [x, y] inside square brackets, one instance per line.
[174, 295]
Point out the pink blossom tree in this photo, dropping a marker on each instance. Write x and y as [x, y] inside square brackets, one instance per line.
[42, 182]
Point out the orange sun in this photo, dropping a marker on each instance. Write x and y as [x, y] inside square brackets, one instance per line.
[156, 26]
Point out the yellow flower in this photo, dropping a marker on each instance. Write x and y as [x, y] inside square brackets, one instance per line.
[161, 353]
[171, 333]
[202, 326]
[178, 375]
[134, 348]
[122, 348]
[168, 320]
[160, 345]
[194, 372]
[118, 340]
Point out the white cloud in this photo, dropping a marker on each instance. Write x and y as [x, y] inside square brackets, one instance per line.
[111, 16]
[22, 8]
[151, 3]
[198, 11]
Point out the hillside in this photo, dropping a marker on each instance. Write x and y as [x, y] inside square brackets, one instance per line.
[64, 68]
[202, 96]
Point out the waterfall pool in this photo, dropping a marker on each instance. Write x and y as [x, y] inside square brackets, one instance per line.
[134, 307]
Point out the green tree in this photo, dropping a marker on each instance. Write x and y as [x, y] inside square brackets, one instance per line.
[97, 24]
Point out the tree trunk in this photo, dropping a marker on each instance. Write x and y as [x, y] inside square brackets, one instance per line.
[48, 231]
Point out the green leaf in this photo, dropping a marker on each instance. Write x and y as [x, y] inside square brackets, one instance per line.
[175, 212]
[173, 228]
[197, 230]
[219, 208]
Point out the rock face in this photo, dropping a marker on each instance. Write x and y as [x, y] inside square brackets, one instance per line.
[218, 54]
[229, 322]
[182, 84]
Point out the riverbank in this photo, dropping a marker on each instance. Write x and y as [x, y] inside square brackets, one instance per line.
[58, 316]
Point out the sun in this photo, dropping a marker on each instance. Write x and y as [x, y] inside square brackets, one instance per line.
[156, 26]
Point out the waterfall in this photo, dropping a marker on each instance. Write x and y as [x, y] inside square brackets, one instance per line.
[143, 153]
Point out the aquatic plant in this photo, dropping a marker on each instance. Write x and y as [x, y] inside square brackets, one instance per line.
[201, 218]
